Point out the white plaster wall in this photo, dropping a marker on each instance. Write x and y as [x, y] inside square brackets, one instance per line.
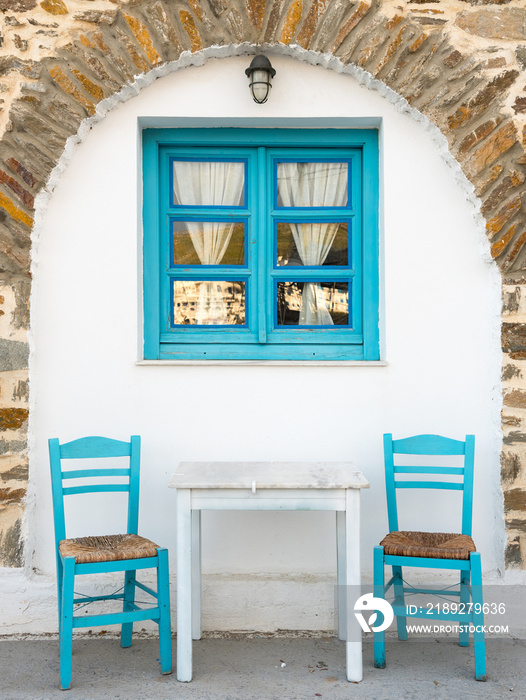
[440, 334]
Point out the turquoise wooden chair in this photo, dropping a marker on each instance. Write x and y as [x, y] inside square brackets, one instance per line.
[431, 550]
[104, 554]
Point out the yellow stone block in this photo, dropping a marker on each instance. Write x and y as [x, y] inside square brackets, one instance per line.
[461, 115]
[509, 210]
[418, 43]
[86, 42]
[492, 148]
[196, 7]
[391, 50]
[500, 245]
[54, 7]
[391, 24]
[256, 12]
[351, 23]
[143, 38]
[13, 418]
[292, 21]
[14, 211]
[94, 90]
[66, 84]
[189, 26]
[95, 40]
[311, 23]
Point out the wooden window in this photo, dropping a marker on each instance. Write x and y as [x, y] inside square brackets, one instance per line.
[260, 244]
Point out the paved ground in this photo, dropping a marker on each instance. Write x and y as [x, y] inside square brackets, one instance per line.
[250, 668]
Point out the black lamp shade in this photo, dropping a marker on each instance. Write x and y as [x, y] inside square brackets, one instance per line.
[260, 74]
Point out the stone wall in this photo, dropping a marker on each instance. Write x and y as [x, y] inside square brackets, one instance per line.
[459, 62]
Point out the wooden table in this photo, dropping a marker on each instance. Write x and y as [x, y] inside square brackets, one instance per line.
[323, 486]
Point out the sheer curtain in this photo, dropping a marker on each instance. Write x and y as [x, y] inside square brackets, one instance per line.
[209, 184]
[313, 185]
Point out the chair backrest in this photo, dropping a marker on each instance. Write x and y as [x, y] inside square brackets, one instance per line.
[111, 479]
[430, 445]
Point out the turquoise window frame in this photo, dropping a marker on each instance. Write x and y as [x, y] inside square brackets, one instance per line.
[261, 338]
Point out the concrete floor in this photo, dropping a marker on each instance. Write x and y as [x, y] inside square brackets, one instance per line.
[250, 668]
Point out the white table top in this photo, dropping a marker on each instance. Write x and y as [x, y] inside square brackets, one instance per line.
[267, 475]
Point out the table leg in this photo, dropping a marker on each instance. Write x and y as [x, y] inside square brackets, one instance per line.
[353, 580]
[196, 574]
[184, 586]
[341, 574]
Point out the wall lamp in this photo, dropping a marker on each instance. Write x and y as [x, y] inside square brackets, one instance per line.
[260, 74]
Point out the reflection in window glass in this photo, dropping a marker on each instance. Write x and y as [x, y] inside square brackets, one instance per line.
[312, 184]
[208, 243]
[312, 244]
[208, 183]
[313, 303]
[208, 302]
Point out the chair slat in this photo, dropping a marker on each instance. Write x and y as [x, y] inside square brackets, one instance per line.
[119, 565]
[116, 618]
[94, 447]
[427, 562]
[95, 488]
[92, 473]
[428, 470]
[448, 485]
[428, 445]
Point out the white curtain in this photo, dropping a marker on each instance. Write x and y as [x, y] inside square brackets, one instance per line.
[209, 184]
[313, 185]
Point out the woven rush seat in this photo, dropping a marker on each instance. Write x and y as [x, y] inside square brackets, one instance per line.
[438, 545]
[107, 548]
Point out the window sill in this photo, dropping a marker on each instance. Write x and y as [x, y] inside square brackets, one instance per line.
[266, 363]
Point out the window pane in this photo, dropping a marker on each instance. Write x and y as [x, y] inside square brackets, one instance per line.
[313, 303]
[312, 184]
[208, 302]
[208, 243]
[312, 244]
[208, 183]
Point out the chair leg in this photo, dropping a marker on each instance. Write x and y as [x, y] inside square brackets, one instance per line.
[66, 623]
[163, 601]
[378, 589]
[129, 599]
[60, 576]
[464, 602]
[398, 585]
[478, 616]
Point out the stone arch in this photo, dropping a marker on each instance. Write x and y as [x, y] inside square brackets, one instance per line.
[427, 56]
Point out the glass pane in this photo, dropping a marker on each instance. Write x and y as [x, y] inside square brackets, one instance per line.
[208, 183]
[312, 244]
[312, 184]
[313, 303]
[208, 302]
[208, 242]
